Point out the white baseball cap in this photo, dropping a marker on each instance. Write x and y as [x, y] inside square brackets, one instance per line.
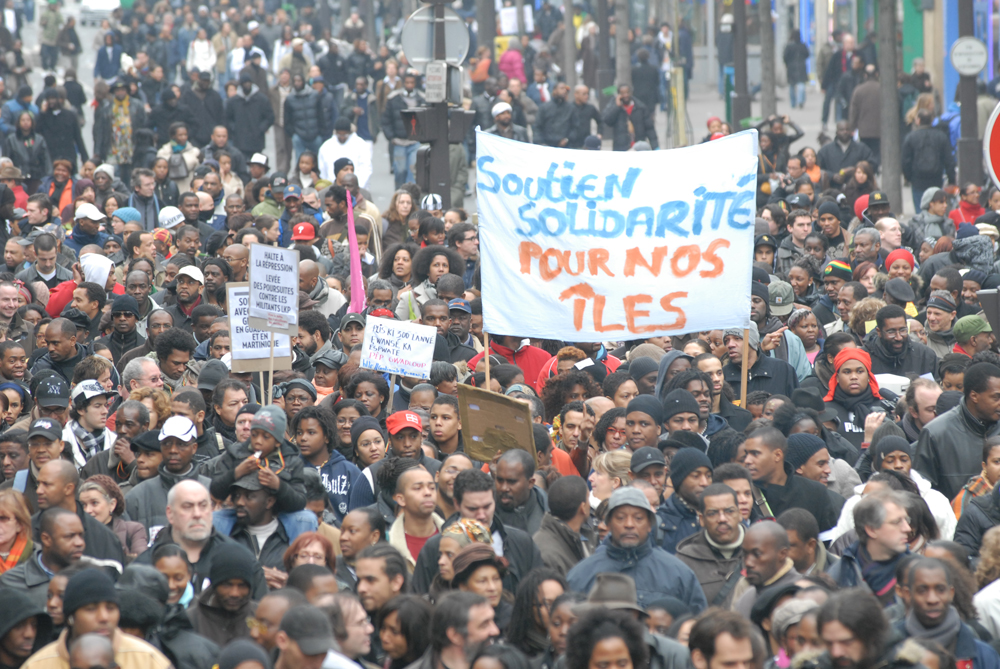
[258, 159]
[87, 210]
[170, 217]
[192, 272]
[89, 389]
[500, 108]
[179, 427]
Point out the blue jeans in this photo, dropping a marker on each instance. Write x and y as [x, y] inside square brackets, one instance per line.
[299, 145]
[797, 93]
[403, 160]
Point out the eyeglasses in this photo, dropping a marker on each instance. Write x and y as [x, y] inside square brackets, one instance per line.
[897, 332]
[614, 432]
[259, 625]
[153, 379]
[311, 558]
[122, 314]
[344, 421]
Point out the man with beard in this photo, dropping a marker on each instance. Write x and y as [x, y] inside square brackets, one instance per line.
[217, 272]
[856, 634]
[12, 321]
[146, 502]
[766, 373]
[891, 348]
[253, 523]
[849, 294]
[460, 311]
[118, 462]
[220, 613]
[314, 330]
[124, 318]
[189, 284]
[690, 475]
[158, 322]
[503, 124]
[64, 354]
[174, 350]
[715, 553]
[519, 503]
[784, 345]
[190, 207]
[310, 282]
[228, 397]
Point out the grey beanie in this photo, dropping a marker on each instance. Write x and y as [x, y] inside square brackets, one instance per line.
[272, 420]
[754, 335]
[925, 199]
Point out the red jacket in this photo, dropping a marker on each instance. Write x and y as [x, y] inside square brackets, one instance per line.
[966, 213]
[62, 295]
[611, 363]
[529, 358]
[957, 348]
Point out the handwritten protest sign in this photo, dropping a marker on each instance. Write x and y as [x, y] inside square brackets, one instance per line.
[274, 288]
[398, 347]
[251, 347]
[597, 245]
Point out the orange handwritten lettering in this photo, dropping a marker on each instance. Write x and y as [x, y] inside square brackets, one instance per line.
[666, 302]
[634, 258]
[691, 253]
[711, 257]
[529, 250]
[599, 261]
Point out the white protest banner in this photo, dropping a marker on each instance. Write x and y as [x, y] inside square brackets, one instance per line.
[599, 245]
[249, 343]
[274, 288]
[398, 347]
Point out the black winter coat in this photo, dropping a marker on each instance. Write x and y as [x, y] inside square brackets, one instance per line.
[33, 160]
[927, 154]
[249, 117]
[207, 112]
[164, 115]
[176, 638]
[950, 449]
[617, 119]
[62, 135]
[392, 119]
[580, 127]
[646, 84]
[915, 361]
[554, 122]
[304, 115]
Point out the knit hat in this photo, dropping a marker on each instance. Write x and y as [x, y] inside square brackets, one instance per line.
[887, 445]
[234, 562]
[341, 163]
[212, 374]
[243, 650]
[738, 332]
[126, 214]
[678, 401]
[829, 207]
[925, 199]
[966, 230]
[251, 408]
[801, 447]
[304, 385]
[975, 276]
[839, 269]
[364, 424]
[941, 299]
[272, 420]
[900, 289]
[89, 587]
[125, 303]
[138, 610]
[947, 401]
[758, 289]
[105, 168]
[759, 275]
[646, 404]
[967, 327]
[146, 580]
[686, 461]
[900, 254]
[640, 367]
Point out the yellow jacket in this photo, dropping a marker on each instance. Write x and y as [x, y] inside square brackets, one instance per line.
[130, 653]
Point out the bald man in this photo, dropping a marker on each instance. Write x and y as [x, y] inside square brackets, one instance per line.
[330, 301]
[583, 114]
[91, 650]
[238, 257]
[766, 563]
[58, 482]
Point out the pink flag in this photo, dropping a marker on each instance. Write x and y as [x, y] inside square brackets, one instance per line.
[357, 281]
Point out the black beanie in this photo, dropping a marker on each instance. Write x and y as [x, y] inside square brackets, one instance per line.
[829, 208]
[679, 401]
[138, 610]
[240, 651]
[684, 462]
[648, 405]
[234, 562]
[887, 445]
[759, 290]
[88, 587]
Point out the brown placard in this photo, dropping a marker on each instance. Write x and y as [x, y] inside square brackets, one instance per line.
[493, 423]
[257, 364]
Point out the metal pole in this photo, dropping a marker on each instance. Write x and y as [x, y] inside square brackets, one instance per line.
[970, 147]
[741, 95]
[486, 17]
[623, 50]
[569, 46]
[713, 57]
[768, 94]
[605, 77]
[440, 164]
[892, 177]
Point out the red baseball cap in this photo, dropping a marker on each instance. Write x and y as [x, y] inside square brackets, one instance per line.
[401, 420]
[303, 232]
[383, 313]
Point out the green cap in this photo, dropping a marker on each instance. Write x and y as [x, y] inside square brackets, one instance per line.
[967, 327]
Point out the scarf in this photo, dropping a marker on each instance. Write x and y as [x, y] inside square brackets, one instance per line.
[90, 442]
[121, 131]
[727, 550]
[943, 634]
[16, 552]
[880, 576]
[855, 404]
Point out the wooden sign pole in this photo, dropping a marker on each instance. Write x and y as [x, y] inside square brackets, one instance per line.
[270, 374]
[486, 357]
[744, 372]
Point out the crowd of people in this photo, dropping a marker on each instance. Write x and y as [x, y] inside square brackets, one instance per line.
[156, 511]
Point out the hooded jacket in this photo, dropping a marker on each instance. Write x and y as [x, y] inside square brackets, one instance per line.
[528, 516]
[915, 360]
[950, 449]
[249, 117]
[63, 368]
[101, 541]
[661, 373]
[337, 474]
[656, 573]
[974, 252]
[176, 638]
[290, 496]
[941, 343]
[979, 515]
[147, 502]
[678, 522]
[216, 624]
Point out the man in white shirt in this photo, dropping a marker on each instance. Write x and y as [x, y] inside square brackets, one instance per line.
[345, 144]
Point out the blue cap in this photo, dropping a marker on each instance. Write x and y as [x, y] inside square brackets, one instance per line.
[461, 305]
[293, 191]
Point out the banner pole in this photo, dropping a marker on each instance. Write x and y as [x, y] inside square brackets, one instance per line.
[392, 388]
[270, 374]
[486, 356]
[744, 372]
